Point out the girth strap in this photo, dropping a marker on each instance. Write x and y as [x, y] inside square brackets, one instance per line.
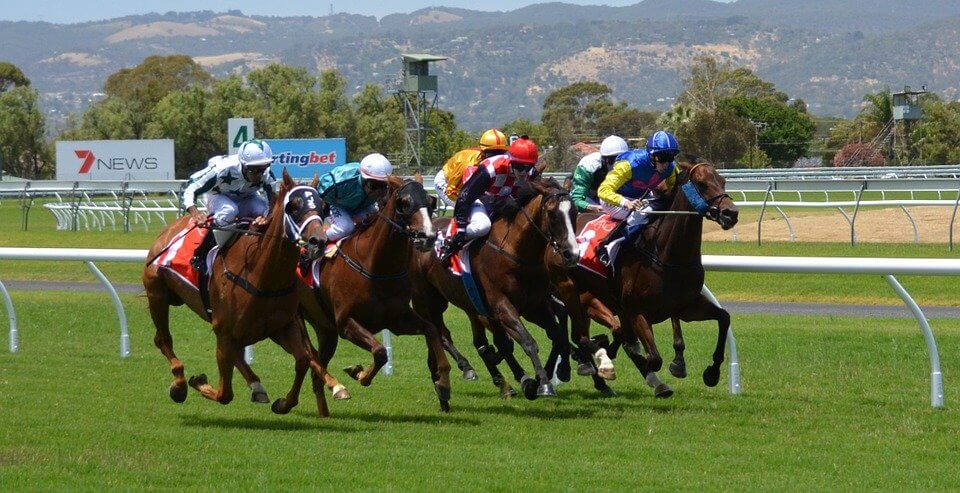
[250, 288]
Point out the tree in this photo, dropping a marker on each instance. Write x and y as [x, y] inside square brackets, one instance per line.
[336, 118]
[709, 83]
[154, 78]
[787, 131]
[288, 104]
[754, 158]
[676, 116]
[187, 118]
[858, 154]
[626, 122]
[719, 136]
[378, 124]
[11, 76]
[937, 137]
[24, 151]
[110, 119]
[443, 139]
[536, 131]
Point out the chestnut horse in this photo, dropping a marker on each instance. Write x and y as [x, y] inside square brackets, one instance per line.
[659, 276]
[365, 288]
[252, 297]
[509, 268]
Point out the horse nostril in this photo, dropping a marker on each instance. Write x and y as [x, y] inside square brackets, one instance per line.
[313, 240]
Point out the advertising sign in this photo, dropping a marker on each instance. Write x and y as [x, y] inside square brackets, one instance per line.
[239, 130]
[304, 157]
[115, 160]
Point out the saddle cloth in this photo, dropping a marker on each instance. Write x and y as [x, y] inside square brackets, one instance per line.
[593, 233]
[460, 261]
[179, 251]
[309, 271]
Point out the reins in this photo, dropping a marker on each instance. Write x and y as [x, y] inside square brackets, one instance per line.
[550, 240]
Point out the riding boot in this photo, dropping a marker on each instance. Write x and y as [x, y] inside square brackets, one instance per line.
[452, 246]
[603, 256]
[199, 259]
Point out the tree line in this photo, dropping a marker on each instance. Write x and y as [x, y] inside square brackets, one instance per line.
[725, 114]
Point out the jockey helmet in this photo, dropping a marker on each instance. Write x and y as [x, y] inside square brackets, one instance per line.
[255, 154]
[375, 167]
[613, 146]
[493, 139]
[663, 142]
[523, 151]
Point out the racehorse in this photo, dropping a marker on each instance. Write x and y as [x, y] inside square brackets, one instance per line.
[660, 276]
[252, 297]
[365, 288]
[509, 268]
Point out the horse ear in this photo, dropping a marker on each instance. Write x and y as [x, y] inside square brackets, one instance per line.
[315, 181]
[287, 180]
[418, 177]
[541, 167]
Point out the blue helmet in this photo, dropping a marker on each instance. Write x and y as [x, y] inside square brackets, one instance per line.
[663, 142]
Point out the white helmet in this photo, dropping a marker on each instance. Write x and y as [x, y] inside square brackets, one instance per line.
[375, 167]
[255, 153]
[613, 146]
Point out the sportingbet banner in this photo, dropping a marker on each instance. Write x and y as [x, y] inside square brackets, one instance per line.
[115, 160]
[304, 157]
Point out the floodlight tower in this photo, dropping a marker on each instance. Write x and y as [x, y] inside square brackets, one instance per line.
[417, 95]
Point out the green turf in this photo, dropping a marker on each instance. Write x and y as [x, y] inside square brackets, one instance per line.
[829, 403]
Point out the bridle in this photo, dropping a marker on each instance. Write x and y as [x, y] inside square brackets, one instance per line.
[546, 235]
[708, 208]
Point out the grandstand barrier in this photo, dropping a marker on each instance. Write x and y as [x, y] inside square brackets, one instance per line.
[886, 267]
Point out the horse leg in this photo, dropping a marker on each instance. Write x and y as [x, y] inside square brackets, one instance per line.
[505, 349]
[601, 360]
[411, 323]
[357, 334]
[226, 358]
[632, 347]
[293, 339]
[431, 307]
[678, 367]
[555, 363]
[703, 309]
[327, 340]
[508, 316]
[545, 317]
[160, 313]
[258, 393]
[489, 355]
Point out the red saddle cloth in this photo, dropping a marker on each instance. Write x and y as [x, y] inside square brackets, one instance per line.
[593, 233]
[180, 250]
[309, 272]
[460, 261]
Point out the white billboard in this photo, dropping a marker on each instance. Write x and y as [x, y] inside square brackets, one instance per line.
[239, 130]
[115, 160]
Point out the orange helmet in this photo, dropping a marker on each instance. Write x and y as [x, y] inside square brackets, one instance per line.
[493, 139]
[523, 151]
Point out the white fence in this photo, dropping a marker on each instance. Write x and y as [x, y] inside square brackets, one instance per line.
[886, 267]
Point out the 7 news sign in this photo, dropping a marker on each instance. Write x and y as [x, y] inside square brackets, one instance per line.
[115, 160]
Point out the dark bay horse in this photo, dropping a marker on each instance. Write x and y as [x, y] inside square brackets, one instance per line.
[509, 268]
[366, 288]
[660, 276]
[252, 297]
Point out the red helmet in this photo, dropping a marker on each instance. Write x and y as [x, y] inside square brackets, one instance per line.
[524, 151]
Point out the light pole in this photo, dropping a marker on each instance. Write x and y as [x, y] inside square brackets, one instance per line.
[757, 127]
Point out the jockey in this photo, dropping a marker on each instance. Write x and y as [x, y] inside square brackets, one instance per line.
[450, 177]
[590, 172]
[232, 185]
[627, 191]
[352, 191]
[486, 187]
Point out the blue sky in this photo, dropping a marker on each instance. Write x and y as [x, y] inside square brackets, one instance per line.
[70, 11]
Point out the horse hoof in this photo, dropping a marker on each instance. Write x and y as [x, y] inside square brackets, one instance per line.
[529, 387]
[563, 370]
[470, 375]
[662, 391]
[178, 394]
[678, 370]
[442, 392]
[498, 381]
[353, 371]
[279, 407]
[607, 392]
[607, 373]
[711, 376]
[445, 406]
[508, 392]
[260, 398]
[546, 390]
[197, 381]
[586, 370]
[340, 393]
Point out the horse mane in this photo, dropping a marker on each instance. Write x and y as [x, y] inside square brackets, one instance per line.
[526, 191]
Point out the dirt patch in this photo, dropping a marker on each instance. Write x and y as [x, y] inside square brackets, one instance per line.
[435, 17]
[213, 61]
[872, 226]
[77, 59]
[161, 29]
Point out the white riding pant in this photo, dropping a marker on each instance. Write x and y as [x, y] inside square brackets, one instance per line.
[226, 210]
[635, 219]
[343, 224]
[440, 185]
[479, 224]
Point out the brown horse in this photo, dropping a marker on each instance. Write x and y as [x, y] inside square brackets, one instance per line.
[510, 271]
[365, 288]
[252, 297]
[659, 276]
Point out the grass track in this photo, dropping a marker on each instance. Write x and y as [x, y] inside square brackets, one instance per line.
[828, 403]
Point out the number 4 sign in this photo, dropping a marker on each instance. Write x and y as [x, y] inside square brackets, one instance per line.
[238, 131]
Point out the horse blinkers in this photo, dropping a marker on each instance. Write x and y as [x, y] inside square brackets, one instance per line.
[709, 208]
[299, 204]
[411, 198]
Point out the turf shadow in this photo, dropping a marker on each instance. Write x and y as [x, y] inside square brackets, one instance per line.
[278, 424]
[438, 418]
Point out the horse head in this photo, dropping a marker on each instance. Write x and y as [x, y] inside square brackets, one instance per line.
[410, 209]
[302, 223]
[705, 191]
[554, 217]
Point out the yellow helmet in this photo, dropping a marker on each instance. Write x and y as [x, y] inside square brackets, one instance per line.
[493, 139]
